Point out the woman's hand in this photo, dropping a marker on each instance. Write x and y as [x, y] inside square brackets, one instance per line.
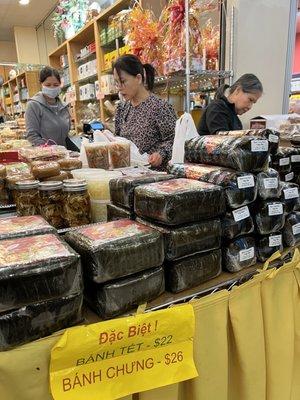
[155, 160]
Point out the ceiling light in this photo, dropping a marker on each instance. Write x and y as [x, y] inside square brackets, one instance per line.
[24, 2]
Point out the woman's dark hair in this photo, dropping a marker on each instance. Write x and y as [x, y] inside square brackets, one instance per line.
[133, 66]
[49, 71]
[249, 83]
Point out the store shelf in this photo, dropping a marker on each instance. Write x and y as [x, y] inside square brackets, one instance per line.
[84, 58]
[88, 79]
[179, 78]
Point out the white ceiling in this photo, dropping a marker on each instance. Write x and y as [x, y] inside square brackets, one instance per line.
[12, 13]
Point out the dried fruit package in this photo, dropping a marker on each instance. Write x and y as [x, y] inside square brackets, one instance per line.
[43, 153]
[268, 183]
[237, 223]
[239, 254]
[117, 297]
[191, 271]
[179, 201]
[290, 196]
[45, 169]
[267, 245]
[36, 268]
[38, 320]
[240, 187]
[97, 155]
[13, 227]
[291, 230]
[269, 216]
[115, 213]
[119, 154]
[188, 239]
[247, 153]
[117, 249]
[122, 189]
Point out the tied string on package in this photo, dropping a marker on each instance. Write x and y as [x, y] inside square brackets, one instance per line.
[268, 245]
[268, 184]
[291, 230]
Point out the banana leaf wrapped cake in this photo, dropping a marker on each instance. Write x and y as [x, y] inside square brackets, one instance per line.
[268, 245]
[268, 183]
[237, 223]
[13, 227]
[269, 216]
[115, 213]
[291, 230]
[239, 254]
[290, 196]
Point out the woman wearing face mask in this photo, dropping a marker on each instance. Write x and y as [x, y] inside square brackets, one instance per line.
[230, 101]
[47, 118]
[142, 117]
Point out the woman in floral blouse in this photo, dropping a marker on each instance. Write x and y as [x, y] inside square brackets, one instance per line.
[143, 118]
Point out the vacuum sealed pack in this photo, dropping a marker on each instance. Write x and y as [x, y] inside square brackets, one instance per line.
[268, 245]
[240, 187]
[290, 196]
[115, 213]
[123, 295]
[237, 223]
[36, 268]
[188, 239]
[116, 249]
[246, 153]
[269, 216]
[281, 160]
[13, 227]
[268, 183]
[191, 271]
[239, 254]
[179, 201]
[295, 159]
[291, 230]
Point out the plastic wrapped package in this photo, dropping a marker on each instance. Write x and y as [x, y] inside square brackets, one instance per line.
[268, 184]
[38, 320]
[287, 176]
[237, 223]
[13, 227]
[269, 216]
[191, 271]
[240, 187]
[2, 171]
[179, 201]
[68, 164]
[44, 169]
[117, 249]
[4, 196]
[61, 177]
[119, 154]
[27, 198]
[118, 297]
[51, 202]
[246, 153]
[19, 169]
[291, 230]
[295, 159]
[281, 161]
[41, 153]
[189, 239]
[268, 245]
[76, 204]
[239, 254]
[290, 196]
[39, 267]
[122, 189]
[97, 155]
[114, 213]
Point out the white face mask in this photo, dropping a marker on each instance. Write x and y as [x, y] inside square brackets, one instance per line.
[51, 92]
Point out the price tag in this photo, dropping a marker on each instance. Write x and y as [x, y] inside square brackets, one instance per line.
[291, 193]
[245, 181]
[289, 177]
[275, 209]
[295, 158]
[284, 161]
[241, 213]
[275, 240]
[123, 356]
[271, 183]
[273, 138]
[246, 254]
[296, 229]
[259, 145]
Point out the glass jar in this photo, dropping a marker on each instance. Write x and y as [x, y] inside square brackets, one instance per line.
[77, 208]
[27, 197]
[51, 202]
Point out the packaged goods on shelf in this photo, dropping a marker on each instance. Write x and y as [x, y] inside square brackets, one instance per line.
[179, 201]
[290, 196]
[240, 187]
[76, 204]
[268, 183]
[38, 320]
[60, 177]
[189, 239]
[281, 160]
[120, 296]
[47, 153]
[14, 227]
[246, 154]
[68, 164]
[44, 169]
[114, 213]
[237, 223]
[107, 84]
[27, 197]
[287, 176]
[295, 159]
[269, 216]
[117, 249]
[97, 155]
[50, 202]
[239, 254]
[191, 271]
[267, 245]
[17, 169]
[122, 189]
[291, 230]
[119, 155]
[4, 195]
[2, 171]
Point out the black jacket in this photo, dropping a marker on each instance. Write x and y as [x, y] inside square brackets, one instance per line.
[219, 115]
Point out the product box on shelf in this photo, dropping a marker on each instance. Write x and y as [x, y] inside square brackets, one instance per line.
[63, 60]
[107, 84]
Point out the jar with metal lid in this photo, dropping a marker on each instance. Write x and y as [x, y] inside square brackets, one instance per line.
[27, 197]
[77, 208]
[51, 203]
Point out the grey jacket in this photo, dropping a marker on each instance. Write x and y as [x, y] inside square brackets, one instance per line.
[44, 123]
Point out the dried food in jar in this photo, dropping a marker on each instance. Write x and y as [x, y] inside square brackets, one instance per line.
[51, 201]
[269, 216]
[191, 271]
[291, 230]
[268, 245]
[119, 155]
[117, 249]
[76, 204]
[68, 164]
[61, 177]
[239, 254]
[97, 155]
[179, 201]
[240, 187]
[120, 296]
[27, 198]
[114, 213]
[290, 196]
[42, 169]
[268, 184]
[13, 227]
[237, 223]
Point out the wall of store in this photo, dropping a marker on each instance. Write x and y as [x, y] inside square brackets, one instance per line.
[8, 52]
[27, 45]
[46, 43]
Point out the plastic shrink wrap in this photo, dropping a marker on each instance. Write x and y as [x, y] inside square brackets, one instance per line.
[295, 159]
[117, 297]
[13, 227]
[122, 189]
[179, 201]
[45, 169]
[191, 271]
[268, 183]
[291, 230]
[247, 153]
[36, 268]
[41, 153]
[237, 223]
[117, 249]
[290, 196]
[287, 176]
[240, 187]
[114, 213]
[269, 216]
[267, 245]
[239, 254]
[281, 161]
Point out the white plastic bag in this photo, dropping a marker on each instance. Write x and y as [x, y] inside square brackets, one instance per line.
[185, 129]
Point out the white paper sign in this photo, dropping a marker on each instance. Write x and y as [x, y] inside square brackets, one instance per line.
[245, 181]
[295, 158]
[246, 254]
[275, 240]
[284, 161]
[271, 183]
[275, 209]
[289, 177]
[241, 213]
[259, 145]
[291, 193]
[296, 229]
[273, 138]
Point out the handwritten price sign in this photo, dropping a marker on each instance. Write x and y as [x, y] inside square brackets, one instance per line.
[124, 356]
